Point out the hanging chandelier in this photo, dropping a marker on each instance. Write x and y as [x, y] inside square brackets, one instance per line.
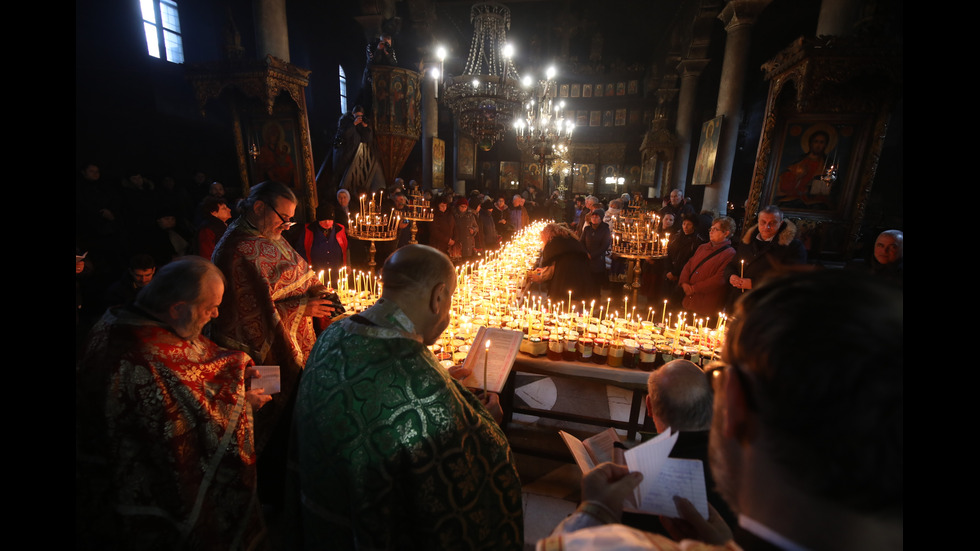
[488, 93]
[543, 131]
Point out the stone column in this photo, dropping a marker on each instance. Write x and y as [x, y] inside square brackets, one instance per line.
[838, 17]
[690, 71]
[430, 119]
[738, 16]
[271, 33]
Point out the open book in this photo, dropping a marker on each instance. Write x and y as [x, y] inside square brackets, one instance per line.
[663, 476]
[498, 358]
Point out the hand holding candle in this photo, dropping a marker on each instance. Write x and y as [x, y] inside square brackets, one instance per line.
[486, 354]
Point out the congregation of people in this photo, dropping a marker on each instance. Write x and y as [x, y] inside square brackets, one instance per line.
[184, 292]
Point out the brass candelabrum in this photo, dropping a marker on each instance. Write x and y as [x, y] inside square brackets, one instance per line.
[371, 225]
[635, 238]
[417, 210]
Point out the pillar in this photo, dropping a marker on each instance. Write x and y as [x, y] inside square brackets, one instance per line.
[738, 16]
[838, 17]
[690, 71]
[271, 34]
[430, 119]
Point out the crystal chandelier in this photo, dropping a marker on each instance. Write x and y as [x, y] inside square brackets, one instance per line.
[543, 131]
[488, 93]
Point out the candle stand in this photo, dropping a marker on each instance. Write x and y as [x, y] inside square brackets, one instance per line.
[417, 211]
[635, 239]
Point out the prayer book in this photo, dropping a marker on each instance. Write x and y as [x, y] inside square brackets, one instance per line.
[663, 476]
[498, 359]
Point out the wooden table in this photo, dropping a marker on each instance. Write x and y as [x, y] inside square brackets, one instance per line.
[630, 379]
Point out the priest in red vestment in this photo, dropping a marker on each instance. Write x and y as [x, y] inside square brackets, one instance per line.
[165, 453]
[267, 310]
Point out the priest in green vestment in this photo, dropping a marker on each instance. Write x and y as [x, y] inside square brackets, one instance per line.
[390, 451]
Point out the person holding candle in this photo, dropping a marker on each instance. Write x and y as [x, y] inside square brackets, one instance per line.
[392, 452]
[768, 249]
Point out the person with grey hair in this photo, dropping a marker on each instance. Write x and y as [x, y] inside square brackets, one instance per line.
[703, 277]
[591, 203]
[391, 451]
[342, 215]
[677, 205]
[768, 249]
[679, 397]
[267, 312]
[146, 378]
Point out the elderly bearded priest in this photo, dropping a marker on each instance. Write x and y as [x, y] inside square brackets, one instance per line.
[164, 424]
[393, 453]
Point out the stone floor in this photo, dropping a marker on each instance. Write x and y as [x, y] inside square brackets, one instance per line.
[550, 479]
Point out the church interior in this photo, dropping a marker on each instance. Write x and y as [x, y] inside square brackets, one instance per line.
[137, 112]
[717, 98]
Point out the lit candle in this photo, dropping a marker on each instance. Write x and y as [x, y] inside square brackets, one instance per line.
[742, 274]
[664, 313]
[486, 354]
[569, 301]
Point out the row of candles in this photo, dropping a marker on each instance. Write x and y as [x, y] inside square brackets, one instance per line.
[417, 207]
[489, 294]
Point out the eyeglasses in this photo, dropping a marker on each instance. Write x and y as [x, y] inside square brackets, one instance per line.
[714, 370]
[286, 222]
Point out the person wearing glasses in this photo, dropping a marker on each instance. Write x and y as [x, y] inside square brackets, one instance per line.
[703, 276]
[806, 440]
[267, 312]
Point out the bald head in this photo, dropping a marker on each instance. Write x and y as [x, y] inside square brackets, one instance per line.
[421, 280]
[415, 268]
[680, 397]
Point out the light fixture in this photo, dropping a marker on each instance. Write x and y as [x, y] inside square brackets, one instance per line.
[543, 130]
[488, 93]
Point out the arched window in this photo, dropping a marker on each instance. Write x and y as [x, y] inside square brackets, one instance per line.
[161, 24]
[343, 90]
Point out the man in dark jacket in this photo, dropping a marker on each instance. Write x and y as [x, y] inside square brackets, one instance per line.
[766, 250]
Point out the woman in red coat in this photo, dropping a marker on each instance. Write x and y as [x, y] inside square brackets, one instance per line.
[703, 277]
